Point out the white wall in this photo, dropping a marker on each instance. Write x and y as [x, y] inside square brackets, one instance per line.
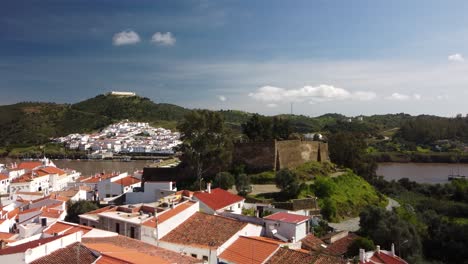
[189, 250]
[48, 248]
[288, 230]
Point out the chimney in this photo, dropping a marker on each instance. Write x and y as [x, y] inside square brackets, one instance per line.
[208, 187]
[393, 249]
[378, 250]
[362, 257]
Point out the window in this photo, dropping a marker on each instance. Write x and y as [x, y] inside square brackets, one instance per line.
[205, 258]
[117, 228]
[238, 205]
[194, 255]
[132, 232]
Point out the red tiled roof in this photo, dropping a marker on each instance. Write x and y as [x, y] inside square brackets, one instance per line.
[142, 247]
[53, 170]
[6, 236]
[74, 253]
[23, 247]
[66, 228]
[340, 247]
[168, 214]
[311, 242]
[104, 259]
[13, 213]
[285, 255]
[203, 229]
[125, 254]
[384, 258]
[218, 198]
[288, 218]
[109, 208]
[127, 181]
[250, 250]
[97, 178]
[29, 165]
[3, 177]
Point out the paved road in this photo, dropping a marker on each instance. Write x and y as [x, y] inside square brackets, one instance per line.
[352, 224]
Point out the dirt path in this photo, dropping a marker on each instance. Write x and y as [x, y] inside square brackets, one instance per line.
[259, 188]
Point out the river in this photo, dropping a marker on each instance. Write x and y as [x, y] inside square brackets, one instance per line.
[91, 167]
[421, 172]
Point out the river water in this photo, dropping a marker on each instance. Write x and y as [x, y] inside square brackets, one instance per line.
[91, 167]
[421, 172]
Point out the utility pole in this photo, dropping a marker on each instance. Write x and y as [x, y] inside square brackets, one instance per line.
[292, 108]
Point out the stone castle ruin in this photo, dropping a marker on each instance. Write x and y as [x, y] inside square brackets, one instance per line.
[276, 155]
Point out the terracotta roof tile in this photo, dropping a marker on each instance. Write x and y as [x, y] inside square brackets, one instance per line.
[203, 229]
[288, 218]
[109, 208]
[311, 242]
[285, 255]
[6, 236]
[168, 214]
[125, 254]
[127, 181]
[3, 177]
[384, 258]
[218, 198]
[250, 250]
[74, 253]
[29, 165]
[60, 227]
[53, 170]
[142, 247]
[340, 247]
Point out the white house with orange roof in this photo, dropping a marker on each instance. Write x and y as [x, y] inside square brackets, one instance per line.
[286, 226]
[219, 200]
[4, 183]
[116, 186]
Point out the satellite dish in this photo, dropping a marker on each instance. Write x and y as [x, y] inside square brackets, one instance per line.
[28, 252]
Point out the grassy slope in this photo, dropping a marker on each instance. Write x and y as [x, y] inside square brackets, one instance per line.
[351, 194]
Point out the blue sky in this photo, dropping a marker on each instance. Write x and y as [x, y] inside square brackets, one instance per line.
[350, 57]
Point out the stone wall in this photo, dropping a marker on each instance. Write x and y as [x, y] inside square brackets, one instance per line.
[256, 156]
[273, 155]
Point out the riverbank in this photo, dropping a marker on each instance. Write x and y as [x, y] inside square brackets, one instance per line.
[419, 157]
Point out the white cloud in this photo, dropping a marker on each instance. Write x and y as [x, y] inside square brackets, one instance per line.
[403, 97]
[222, 98]
[313, 94]
[271, 105]
[166, 39]
[126, 37]
[457, 57]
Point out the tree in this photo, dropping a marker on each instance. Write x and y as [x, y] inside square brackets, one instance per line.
[262, 128]
[385, 227]
[258, 128]
[243, 184]
[359, 243]
[224, 180]
[206, 142]
[288, 182]
[74, 209]
[349, 150]
[328, 209]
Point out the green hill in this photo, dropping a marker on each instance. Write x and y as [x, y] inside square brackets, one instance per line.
[33, 123]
